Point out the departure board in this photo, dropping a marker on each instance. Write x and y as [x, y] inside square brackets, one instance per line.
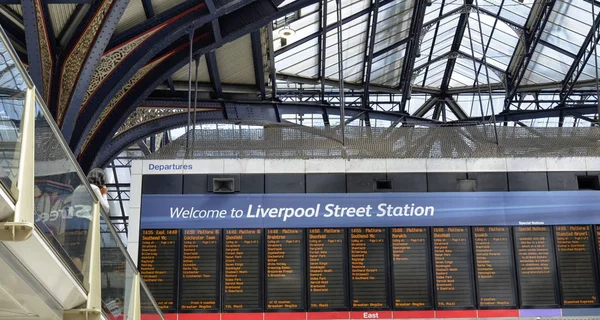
[200, 279]
[158, 266]
[369, 268]
[494, 269]
[536, 267]
[285, 270]
[327, 269]
[579, 283]
[242, 284]
[411, 268]
[452, 267]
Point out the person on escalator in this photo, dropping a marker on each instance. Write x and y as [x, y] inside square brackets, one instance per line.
[78, 222]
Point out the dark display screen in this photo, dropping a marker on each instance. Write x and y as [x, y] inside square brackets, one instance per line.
[158, 266]
[369, 268]
[242, 284]
[327, 269]
[536, 267]
[411, 268]
[285, 269]
[199, 271]
[578, 275]
[494, 269]
[452, 267]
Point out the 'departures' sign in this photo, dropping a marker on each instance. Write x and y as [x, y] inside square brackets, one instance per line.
[369, 209]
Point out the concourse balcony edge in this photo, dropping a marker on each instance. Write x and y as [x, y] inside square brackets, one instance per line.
[60, 256]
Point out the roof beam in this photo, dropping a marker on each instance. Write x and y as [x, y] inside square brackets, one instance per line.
[458, 36]
[80, 62]
[39, 51]
[428, 105]
[583, 56]
[213, 73]
[455, 108]
[148, 9]
[369, 55]
[257, 59]
[412, 48]
[235, 112]
[14, 32]
[529, 39]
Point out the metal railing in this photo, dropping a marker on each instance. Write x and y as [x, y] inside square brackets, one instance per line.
[48, 194]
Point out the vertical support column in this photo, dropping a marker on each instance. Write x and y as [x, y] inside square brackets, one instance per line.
[21, 226]
[91, 272]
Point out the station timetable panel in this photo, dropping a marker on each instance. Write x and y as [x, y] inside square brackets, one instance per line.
[361, 269]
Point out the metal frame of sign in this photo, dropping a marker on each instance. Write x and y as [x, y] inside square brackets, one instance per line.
[261, 282]
[513, 271]
[345, 272]
[553, 269]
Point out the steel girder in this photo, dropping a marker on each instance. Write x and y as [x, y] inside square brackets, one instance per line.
[40, 45]
[156, 35]
[406, 75]
[535, 25]
[257, 59]
[458, 36]
[70, 98]
[576, 110]
[238, 112]
[233, 26]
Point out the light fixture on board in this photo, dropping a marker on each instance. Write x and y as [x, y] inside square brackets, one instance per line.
[285, 34]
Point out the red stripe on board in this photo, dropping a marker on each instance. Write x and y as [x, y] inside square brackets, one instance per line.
[197, 316]
[242, 316]
[328, 315]
[154, 317]
[285, 316]
[456, 314]
[371, 315]
[498, 313]
[423, 314]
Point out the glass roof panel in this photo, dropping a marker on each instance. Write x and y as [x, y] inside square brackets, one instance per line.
[354, 37]
[301, 61]
[445, 35]
[349, 7]
[547, 65]
[303, 27]
[433, 11]
[386, 69]
[515, 11]
[569, 24]
[435, 74]
[393, 23]
[463, 74]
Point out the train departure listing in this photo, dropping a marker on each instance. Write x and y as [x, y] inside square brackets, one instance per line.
[327, 269]
[368, 267]
[494, 269]
[285, 269]
[242, 284]
[452, 267]
[536, 267]
[158, 266]
[578, 276]
[199, 271]
[410, 266]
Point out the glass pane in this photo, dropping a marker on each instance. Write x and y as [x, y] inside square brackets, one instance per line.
[12, 99]
[116, 272]
[63, 203]
[150, 310]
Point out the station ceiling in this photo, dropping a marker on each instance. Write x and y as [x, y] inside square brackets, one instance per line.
[111, 67]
